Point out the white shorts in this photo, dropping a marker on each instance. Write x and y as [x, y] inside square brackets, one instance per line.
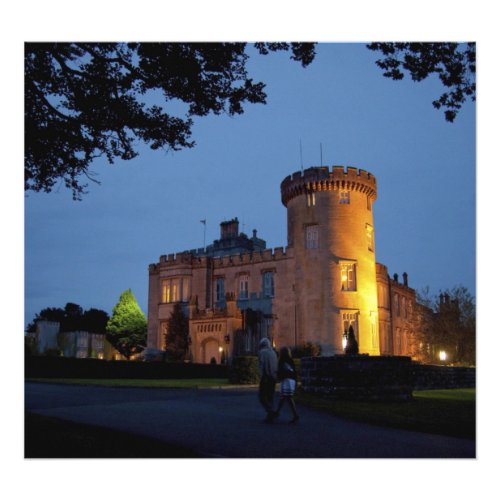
[288, 387]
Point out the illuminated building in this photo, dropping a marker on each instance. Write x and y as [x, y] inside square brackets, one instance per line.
[237, 291]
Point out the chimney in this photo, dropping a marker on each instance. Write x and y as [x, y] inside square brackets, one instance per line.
[396, 277]
[229, 229]
[405, 279]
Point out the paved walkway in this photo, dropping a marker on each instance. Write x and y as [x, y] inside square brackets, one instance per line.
[227, 423]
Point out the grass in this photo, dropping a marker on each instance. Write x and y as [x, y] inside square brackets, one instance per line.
[450, 412]
[191, 383]
[48, 437]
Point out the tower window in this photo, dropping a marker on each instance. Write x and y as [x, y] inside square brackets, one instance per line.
[311, 199]
[312, 237]
[350, 319]
[369, 237]
[348, 276]
[344, 197]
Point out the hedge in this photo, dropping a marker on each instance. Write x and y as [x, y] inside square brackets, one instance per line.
[46, 367]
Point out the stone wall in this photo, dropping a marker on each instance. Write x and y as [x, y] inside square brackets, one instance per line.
[443, 377]
[386, 378]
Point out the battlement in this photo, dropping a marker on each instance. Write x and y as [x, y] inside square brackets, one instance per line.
[201, 259]
[316, 179]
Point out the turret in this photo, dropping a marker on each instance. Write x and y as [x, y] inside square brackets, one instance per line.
[330, 227]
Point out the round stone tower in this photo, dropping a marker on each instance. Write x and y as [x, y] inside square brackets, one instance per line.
[330, 227]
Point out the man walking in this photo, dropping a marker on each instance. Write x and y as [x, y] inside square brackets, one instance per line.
[268, 366]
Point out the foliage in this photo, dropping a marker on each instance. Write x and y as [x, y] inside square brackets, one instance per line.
[127, 328]
[176, 338]
[307, 349]
[87, 100]
[352, 344]
[244, 370]
[453, 63]
[453, 324]
[73, 318]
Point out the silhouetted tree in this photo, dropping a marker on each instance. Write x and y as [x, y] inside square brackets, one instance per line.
[127, 328]
[452, 327]
[176, 338]
[87, 100]
[453, 63]
[72, 318]
[352, 344]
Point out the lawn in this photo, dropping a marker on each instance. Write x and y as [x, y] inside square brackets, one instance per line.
[450, 412]
[192, 383]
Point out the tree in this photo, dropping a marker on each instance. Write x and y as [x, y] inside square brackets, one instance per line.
[352, 344]
[72, 318]
[452, 327]
[127, 328]
[453, 63]
[176, 338]
[87, 100]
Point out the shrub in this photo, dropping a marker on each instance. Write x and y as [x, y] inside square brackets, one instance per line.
[244, 370]
[306, 350]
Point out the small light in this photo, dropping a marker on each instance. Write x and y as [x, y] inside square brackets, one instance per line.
[442, 355]
[220, 349]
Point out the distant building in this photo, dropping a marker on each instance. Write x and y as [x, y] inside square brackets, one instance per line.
[237, 291]
[76, 344]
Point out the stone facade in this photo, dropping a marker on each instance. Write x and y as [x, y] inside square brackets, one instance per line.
[236, 290]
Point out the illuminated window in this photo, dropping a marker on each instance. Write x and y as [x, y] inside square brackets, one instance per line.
[350, 319]
[344, 197]
[369, 237]
[175, 290]
[312, 237]
[268, 284]
[243, 287]
[219, 290]
[348, 276]
[311, 199]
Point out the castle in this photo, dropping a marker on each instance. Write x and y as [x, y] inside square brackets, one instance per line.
[237, 291]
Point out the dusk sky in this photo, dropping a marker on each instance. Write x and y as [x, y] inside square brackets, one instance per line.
[90, 251]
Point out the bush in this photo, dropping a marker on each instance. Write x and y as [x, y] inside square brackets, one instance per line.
[306, 350]
[244, 370]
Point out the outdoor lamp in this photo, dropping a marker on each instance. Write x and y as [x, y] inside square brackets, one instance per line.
[442, 355]
[344, 340]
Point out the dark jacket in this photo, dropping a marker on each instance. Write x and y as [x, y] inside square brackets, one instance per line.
[286, 369]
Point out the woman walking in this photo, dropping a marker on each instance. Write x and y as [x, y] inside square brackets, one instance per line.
[287, 375]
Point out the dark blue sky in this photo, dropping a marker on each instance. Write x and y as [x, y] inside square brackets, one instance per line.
[89, 252]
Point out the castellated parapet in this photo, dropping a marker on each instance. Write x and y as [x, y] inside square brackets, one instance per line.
[236, 291]
[316, 179]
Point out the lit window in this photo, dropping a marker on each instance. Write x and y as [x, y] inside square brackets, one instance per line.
[345, 197]
[350, 319]
[243, 288]
[175, 290]
[311, 199]
[268, 284]
[348, 276]
[312, 237]
[369, 237]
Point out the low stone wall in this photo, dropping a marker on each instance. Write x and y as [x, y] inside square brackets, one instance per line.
[362, 377]
[443, 377]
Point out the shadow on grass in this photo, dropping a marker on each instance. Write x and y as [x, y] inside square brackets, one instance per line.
[445, 412]
[47, 437]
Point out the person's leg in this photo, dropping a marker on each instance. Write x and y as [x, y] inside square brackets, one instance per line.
[291, 402]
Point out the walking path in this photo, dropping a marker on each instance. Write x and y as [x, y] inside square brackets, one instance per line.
[228, 424]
